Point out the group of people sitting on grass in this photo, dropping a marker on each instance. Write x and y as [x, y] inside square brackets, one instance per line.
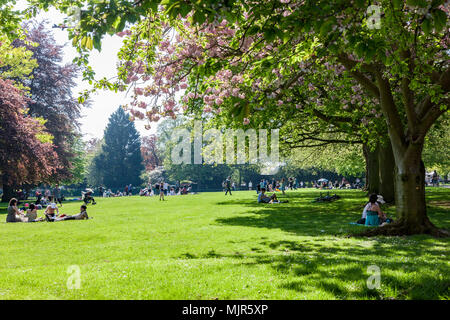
[164, 189]
[51, 213]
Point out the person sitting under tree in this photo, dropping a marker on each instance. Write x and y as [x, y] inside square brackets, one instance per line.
[373, 208]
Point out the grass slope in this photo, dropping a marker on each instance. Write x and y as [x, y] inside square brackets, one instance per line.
[209, 246]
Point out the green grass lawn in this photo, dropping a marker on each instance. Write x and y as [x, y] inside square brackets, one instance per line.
[209, 246]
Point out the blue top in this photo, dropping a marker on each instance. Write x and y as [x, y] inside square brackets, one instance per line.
[259, 197]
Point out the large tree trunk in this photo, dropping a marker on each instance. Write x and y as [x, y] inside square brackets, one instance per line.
[407, 139]
[386, 164]
[410, 192]
[372, 170]
[409, 197]
[380, 164]
[8, 190]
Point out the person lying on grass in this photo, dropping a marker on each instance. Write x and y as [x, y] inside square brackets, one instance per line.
[79, 216]
[263, 198]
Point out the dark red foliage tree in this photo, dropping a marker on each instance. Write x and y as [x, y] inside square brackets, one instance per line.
[51, 85]
[24, 158]
[149, 152]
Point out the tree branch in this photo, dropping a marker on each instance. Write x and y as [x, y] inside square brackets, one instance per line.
[427, 105]
[368, 84]
[407, 94]
[394, 123]
[331, 119]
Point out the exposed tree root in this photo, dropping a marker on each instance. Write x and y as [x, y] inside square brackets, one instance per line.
[403, 229]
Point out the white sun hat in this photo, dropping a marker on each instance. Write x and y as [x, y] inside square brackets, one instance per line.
[380, 199]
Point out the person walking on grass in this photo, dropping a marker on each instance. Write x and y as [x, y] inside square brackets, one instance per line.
[57, 195]
[166, 188]
[161, 191]
[228, 186]
[48, 194]
[283, 185]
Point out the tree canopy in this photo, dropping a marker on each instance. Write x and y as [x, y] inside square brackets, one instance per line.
[374, 72]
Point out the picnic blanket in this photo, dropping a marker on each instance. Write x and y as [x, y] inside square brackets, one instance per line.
[359, 224]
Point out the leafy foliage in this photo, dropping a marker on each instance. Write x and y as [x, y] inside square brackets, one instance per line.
[50, 88]
[24, 157]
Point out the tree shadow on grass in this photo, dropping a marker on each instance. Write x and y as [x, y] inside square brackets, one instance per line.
[3, 208]
[342, 271]
[309, 267]
[308, 196]
[303, 217]
[212, 254]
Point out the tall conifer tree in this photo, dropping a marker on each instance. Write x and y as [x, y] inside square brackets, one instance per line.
[120, 161]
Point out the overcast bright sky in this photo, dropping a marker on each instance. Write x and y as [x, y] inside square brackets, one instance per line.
[104, 103]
